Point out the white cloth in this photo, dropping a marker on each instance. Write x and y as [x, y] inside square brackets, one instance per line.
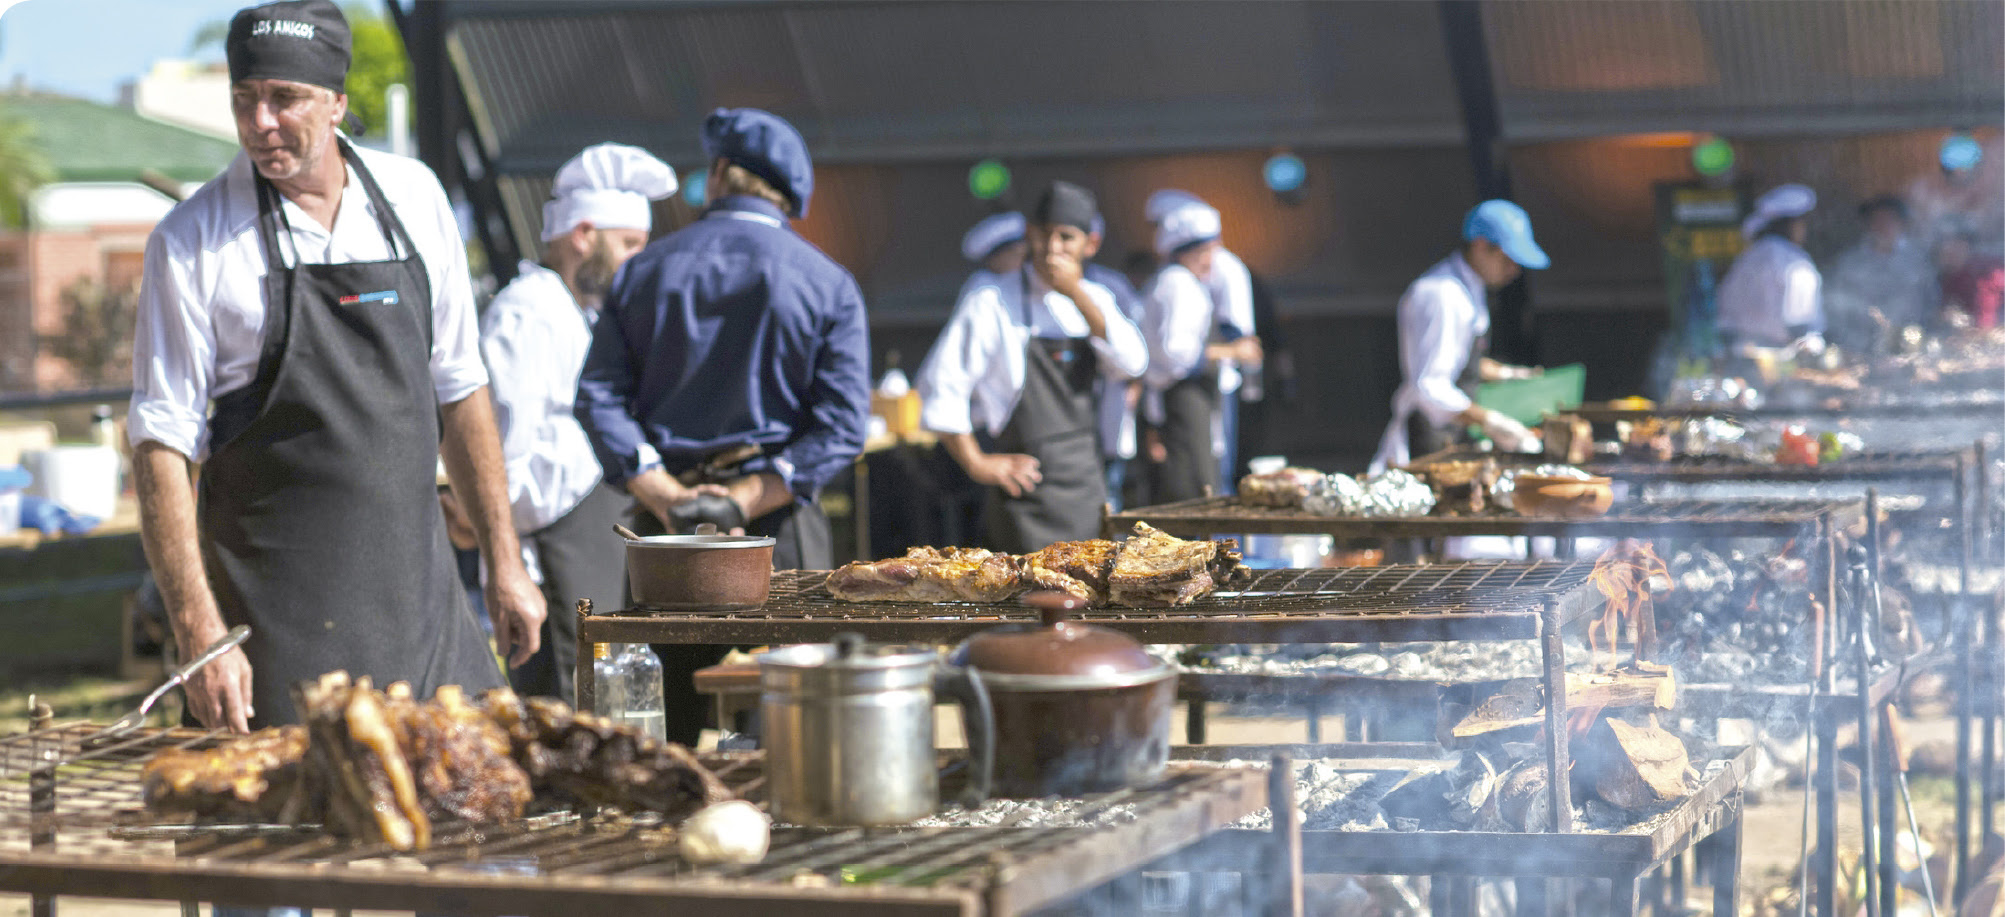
[1179, 320]
[534, 337]
[1440, 317]
[975, 373]
[201, 309]
[991, 233]
[609, 184]
[1780, 202]
[1772, 287]
[1163, 201]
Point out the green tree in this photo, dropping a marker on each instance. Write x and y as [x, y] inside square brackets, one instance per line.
[96, 339]
[377, 60]
[24, 166]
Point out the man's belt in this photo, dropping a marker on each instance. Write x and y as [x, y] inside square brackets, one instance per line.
[722, 466]
[719, 467]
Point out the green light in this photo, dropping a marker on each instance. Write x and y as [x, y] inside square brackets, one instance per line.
[1713, 157]
[988, 179]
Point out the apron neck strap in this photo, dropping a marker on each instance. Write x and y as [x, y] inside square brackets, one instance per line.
[272, 221]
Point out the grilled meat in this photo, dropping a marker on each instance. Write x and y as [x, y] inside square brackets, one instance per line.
[1076, 568]
[380, 766]
[931, 575]
[1150, 570]
[248, 779]
[1284, 489]
[1155, 570]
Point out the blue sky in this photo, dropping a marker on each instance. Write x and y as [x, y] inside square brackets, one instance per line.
[88, 48]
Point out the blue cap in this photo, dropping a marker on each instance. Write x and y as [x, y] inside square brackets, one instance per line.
[1506, 225]
[991, 233]
[765, 145]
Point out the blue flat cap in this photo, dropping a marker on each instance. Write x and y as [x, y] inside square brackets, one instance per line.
[991, 233]
[765, 145]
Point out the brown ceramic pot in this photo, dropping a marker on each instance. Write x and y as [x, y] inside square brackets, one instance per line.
[1078, 708]
[700, 572]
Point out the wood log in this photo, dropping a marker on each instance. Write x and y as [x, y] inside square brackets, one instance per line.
[1518, 702]
[1636, 767]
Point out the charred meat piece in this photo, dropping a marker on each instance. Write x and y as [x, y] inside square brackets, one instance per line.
[460, 761]
[354, 757]
[931, 575]
[1284, 489]
[1076, 568]
[249, 778]
[1156, 570]
[585, 760]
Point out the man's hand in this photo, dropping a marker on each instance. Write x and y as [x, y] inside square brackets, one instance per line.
[1508, 434]
[515, 605]
[1062, 272]
[659, 492]
[1015, 474]
[1245, 351]
[1493, 371]
[219, 694]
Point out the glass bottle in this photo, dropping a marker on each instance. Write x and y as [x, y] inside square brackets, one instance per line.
[609, 681]
[644, 710]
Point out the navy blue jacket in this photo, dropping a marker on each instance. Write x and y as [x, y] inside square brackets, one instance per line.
[731, 330]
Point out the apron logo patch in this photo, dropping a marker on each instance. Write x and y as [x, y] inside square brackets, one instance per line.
[382, 296]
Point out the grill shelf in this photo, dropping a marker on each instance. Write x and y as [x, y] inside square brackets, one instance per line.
[71, 822]
[1206, 516]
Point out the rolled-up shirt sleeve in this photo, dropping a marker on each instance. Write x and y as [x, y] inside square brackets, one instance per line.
[1123, 354]
[605, 393]
[457, 370]
[173, 352]
[1434, 330]
[964, 354]
[1802, 297]
[1179, 326]
[839, 402]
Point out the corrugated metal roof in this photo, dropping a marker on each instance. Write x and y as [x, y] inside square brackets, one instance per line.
[88, 141]
[1581, 68]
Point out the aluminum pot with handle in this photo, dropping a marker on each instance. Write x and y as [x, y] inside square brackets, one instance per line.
[848, 731]
[1078, 708]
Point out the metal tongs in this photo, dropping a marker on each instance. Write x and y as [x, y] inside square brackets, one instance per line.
[131, 720]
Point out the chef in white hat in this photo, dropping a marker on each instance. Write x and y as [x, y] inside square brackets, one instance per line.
[1772, 295]
[534, 337]
[1231, 286]
[995, 246]
[1193, 337]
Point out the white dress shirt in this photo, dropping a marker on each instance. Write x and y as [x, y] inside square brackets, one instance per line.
[1772, 287]
[1440, 317]
[1231, 286]
[975, 373]
[535, 338]
[201, 309]
[1181, 318]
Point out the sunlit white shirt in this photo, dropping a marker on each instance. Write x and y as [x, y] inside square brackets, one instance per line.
[201, 310]
[1180, 319]
[975, 373]
[1231, 286]
[535, 338]
[1440, 317]
[1773, 286]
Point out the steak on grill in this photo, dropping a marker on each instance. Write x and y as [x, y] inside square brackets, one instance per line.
[1149, 570]
[1155, 570]
[931, 575]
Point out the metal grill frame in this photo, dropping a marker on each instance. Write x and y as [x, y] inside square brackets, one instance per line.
[1207, 516]
[584, 864]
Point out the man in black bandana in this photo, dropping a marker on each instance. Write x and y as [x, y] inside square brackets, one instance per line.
[1012, 385]
[316, 297]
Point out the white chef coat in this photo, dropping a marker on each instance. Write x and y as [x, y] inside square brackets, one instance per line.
[1772, 287]
[201, 309]
[535, 337]
[1440, 317]
[975, 373]
[1181, 317]
[1231, 286]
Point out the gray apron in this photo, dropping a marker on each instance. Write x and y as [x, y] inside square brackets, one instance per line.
[1057, 422]
[1190, 470]
[319, 507]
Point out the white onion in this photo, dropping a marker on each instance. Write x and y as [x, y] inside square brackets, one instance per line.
[728, 832]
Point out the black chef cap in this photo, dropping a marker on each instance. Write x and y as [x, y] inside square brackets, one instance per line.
[1066, 204]
[304, 41]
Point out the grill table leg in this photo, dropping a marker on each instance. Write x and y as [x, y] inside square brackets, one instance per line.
[1965, 664]
[1283, 880]
[1553, 662]
[1726, 865]
[584, 682]
[1623, 894]
[1824, 902]
[1888, 819]
[1194, 722]
[1532, 898]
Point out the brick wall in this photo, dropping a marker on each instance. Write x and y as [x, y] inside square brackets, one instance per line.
[108, 253]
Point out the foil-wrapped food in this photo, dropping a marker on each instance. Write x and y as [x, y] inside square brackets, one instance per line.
[1390, 493]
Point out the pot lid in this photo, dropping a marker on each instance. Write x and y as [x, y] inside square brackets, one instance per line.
[848, 651]
[1056, 646]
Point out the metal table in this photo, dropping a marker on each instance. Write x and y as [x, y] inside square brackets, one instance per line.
[71, 823]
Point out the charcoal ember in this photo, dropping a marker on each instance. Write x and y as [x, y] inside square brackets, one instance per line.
[1523, 801]
[1422, 796]
[1472, 789]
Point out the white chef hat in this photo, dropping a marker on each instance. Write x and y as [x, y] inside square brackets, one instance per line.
[993, 232]
[1168, 199]
[1189, 225]
[609, 184]
[1781, 202]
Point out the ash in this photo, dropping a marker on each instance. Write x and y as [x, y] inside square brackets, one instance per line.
[1032, 813]
[1449, 661]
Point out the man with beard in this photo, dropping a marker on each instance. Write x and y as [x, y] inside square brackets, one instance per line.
[316, 296]
[534, 336]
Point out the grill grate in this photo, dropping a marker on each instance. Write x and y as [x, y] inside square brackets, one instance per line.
[61, 802]
[1465, 601]
[1694, 518]
[1880, 465]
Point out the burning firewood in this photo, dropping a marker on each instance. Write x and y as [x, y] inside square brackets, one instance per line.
[1628, 575]
[1635, 767]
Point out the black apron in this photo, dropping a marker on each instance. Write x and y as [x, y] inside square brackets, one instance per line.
[1190, 468]
[1057, 422]
[1423, 438]
[319, 508]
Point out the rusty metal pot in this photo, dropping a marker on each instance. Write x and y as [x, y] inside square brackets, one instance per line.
[700, 572]
[1078, 708]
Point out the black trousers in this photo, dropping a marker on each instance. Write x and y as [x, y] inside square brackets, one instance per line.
[802, 541]
[582, 558]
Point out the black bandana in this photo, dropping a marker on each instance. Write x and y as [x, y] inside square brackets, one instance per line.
[303, 41]
[1066, 204]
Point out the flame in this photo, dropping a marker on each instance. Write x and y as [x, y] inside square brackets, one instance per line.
[1622, 573]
